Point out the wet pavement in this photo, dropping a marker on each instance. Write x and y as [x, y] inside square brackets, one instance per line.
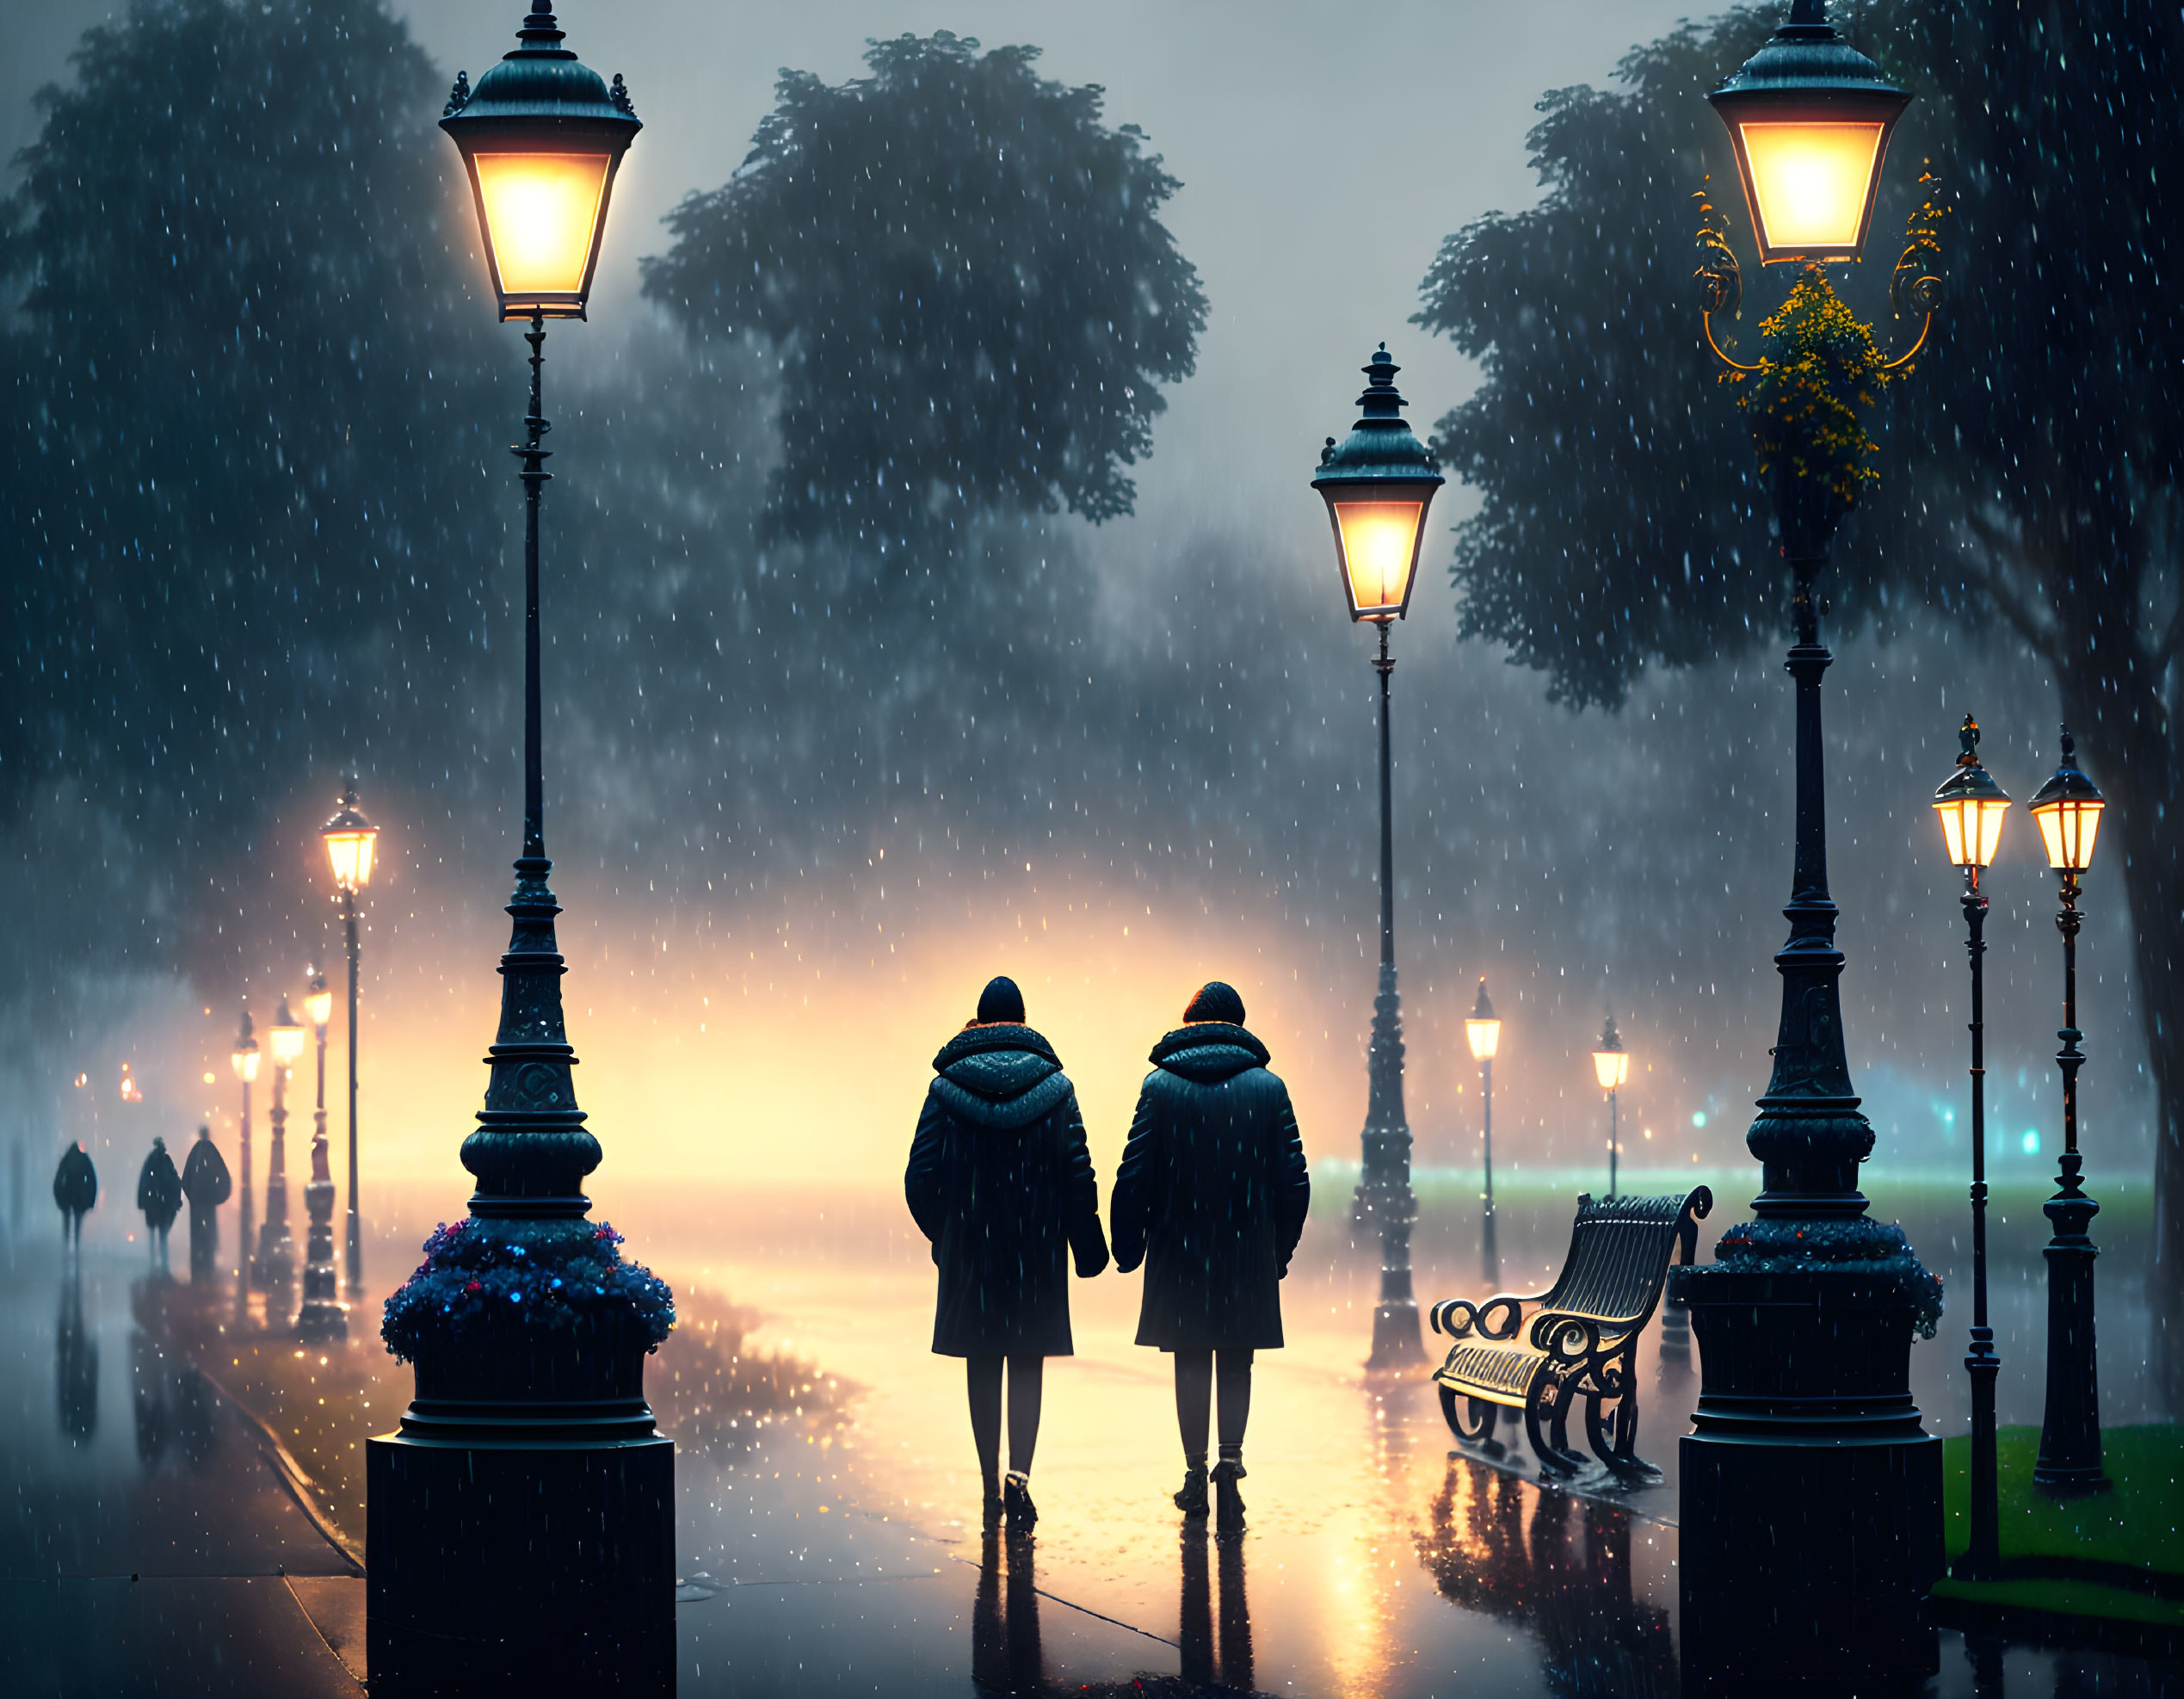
[828, 1523]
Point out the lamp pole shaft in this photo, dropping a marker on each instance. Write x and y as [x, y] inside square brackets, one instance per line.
[2070, 1455]
[1489, 1254]
[245, 1253]
[1983, 1558]
[535, 478]
[1383, 1194]
[354, 1227]
[1611, 1144]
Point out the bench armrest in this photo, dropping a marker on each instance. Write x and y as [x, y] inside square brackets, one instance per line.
[1459, 1318]
[1567, 1339]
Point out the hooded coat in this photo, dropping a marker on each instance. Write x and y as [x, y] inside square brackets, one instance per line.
[76, 1182]
[206, 1184]
[999, 1180]
[159, 1188]
[1213, 1192]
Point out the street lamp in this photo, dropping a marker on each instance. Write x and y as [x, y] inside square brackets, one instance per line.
[556, 1378]
[1482, 1032]
[351, 843]
[1971, 807]
[276, 1274]
[244, 1060]
[323, 1316]
[1611, 1067]
[1805, 1316]
[2067, 809]
[1378, 484]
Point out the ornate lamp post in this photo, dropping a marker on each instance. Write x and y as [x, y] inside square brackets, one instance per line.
[2068, 810]
[323, 1316]
[1811, 1493]
[351, 841]
[521, 1521]
[1378, 484]
[1611, 1067]
[1971, 807]
[244, 1060]
[1482, 1032]
[276, 1274]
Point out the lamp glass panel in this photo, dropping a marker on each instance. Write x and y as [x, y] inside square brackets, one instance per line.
[1611, 1068]
[350, 855]
[246, 1065]
[1992, 811]
[1811, 181]
[540, 211]
[1379, 546]
[319, 1007]
[1484, 1036]
[287, 1044]
[1953, 814]
[2067, 832]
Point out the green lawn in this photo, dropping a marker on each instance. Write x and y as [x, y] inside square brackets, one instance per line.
[2135, 1525]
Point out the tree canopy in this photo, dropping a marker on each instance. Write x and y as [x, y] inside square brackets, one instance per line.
[966, 276]
[2029, 471]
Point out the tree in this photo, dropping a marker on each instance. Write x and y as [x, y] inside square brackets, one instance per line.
[973, 296]
[2028, 473]
[242, 383]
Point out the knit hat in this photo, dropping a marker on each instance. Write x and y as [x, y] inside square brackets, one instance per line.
[1216, 1002]
[1000, 1001]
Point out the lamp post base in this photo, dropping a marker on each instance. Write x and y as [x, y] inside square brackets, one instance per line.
[1811, 1495]
[2070, 1461]
[458, 1595]
[1397, 1337]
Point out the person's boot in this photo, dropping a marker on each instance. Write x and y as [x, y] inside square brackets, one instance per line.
[1191, 1501]
[1229, 1501]
[1016, 1502]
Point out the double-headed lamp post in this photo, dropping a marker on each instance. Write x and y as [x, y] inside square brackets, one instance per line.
[244, 1060]
[1971, 807]
[322, 1317]
[352, 843]
[529, 1421]
[1378, 484]
[2067, 810]
[1482, 1032]
[1811, 1493]
[1611, 1067]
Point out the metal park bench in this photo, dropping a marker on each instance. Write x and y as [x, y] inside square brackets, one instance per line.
[1579, 1344]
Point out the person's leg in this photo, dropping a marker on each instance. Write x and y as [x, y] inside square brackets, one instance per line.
[981, 1376]
[1027, 1386]
[1194, 1411]
[1235, 1383]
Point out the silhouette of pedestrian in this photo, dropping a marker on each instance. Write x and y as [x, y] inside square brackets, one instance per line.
[1001, 1181]
[206, 1184]
[159, 1194]
[76, 1188]
[1212, 1197]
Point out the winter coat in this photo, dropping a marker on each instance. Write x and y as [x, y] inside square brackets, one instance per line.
[159, 1188]
[76, 1182]
[1212, 1193]
[1001, 1181]
[204, 1179]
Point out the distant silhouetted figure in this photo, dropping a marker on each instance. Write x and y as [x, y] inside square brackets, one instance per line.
[159, 1194]
[76, 1188]
[206, 1184]
[1212, 1197]
[1001, 1180]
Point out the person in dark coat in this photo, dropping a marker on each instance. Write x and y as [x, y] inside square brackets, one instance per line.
[206, 1184]
[1212, 1197]
[76, 1188]
[1001, 1180]
[159, 1194]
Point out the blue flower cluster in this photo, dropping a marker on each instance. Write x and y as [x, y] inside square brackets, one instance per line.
[478, 1278]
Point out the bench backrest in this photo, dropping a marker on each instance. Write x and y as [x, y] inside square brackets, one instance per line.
[1620, 1249]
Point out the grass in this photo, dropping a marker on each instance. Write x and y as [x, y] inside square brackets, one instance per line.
[2138, 1525]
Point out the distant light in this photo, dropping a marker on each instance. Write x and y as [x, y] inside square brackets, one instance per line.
[2031, 1142]
[1699, 1119]
[208, 1079]
[83, 1079]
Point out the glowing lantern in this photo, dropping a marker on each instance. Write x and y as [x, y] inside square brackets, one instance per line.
[286, 1036]
[1971, 805]
[1482, 1030]
[1611, 1062]
[1378, 484]
[350, 841]
[2068, 810]
[318, 1002]
[245, 1058]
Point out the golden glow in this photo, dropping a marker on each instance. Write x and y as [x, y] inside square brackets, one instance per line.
[1484, 1036]
[287, 1044]
[541, 212]
[246, 1063]
[1811, 183]
[1972, 827]
[1379, 548]
[2067, 830]
[1611, 1068]
[350, 855]
[319, 1007]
